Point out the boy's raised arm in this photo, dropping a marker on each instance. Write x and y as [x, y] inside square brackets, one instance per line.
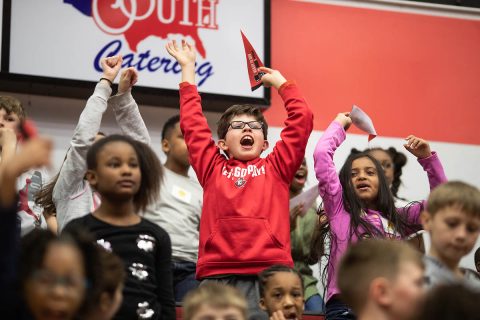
[289, 152]
[196, 132]
[185, 56]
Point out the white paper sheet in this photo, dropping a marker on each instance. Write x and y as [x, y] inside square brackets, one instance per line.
[306, 198]
[362, 121]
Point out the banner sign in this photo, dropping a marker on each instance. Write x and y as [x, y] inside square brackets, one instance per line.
[68, 39]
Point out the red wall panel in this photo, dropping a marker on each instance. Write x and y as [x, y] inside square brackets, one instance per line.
[412, 73]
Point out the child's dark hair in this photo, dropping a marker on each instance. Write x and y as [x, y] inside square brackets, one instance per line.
[270, 271]
[169, 125]
[112, 274]
[239, 109]
[477, 255]
[35, 245]
[451, 302]
[44, 197]
[399, 160]
[150, 167]
[12, 105]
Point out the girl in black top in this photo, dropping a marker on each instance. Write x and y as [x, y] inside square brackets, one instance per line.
[117, 169]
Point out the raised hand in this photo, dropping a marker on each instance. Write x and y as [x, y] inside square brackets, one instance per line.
[418, 147]
[272, 78]
[184, 54]
[344, 119]
[128, 78]
[8, 144]
[277, 315]
[111, 66]
[7, 137]
[34, 153]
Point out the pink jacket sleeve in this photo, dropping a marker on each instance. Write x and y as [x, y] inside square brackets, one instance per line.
[436, 176]
[329, 185]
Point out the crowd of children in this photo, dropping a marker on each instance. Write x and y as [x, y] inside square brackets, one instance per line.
[118, 235]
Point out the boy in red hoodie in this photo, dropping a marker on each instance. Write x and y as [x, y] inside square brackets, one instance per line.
[244, 226]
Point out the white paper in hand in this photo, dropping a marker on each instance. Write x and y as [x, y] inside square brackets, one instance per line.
[306, 198]
[362, 121]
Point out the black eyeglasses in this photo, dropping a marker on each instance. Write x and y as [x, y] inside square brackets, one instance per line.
[251, 124]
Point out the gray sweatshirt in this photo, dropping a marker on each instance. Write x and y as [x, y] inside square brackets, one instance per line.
[436, 273]
[72, 194]
[178, 211]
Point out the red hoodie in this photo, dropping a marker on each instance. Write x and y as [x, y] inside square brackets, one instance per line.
[245, 224]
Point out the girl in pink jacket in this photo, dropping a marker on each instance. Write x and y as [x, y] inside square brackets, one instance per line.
[358, 202]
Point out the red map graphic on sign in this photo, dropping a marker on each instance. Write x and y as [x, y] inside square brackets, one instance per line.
[138, 20]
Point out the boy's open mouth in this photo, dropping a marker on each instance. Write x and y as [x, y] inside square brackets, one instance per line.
[247, 141]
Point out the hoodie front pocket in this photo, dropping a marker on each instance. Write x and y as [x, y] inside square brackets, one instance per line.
[243, 239]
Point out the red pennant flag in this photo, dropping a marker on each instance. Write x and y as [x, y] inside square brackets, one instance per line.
[253, 63]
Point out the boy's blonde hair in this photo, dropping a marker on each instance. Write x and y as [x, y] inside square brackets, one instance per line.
[370, 259]
[215, 295]
[12, 105]
[455, 194]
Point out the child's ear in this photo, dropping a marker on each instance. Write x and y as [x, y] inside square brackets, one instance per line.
[262, 305]
[426, 219]
[92, 178]
[165, 146]
[265, 145]
[380, 291]
[222, 145]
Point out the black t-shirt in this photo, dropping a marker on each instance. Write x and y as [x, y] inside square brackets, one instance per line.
[146, 251]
